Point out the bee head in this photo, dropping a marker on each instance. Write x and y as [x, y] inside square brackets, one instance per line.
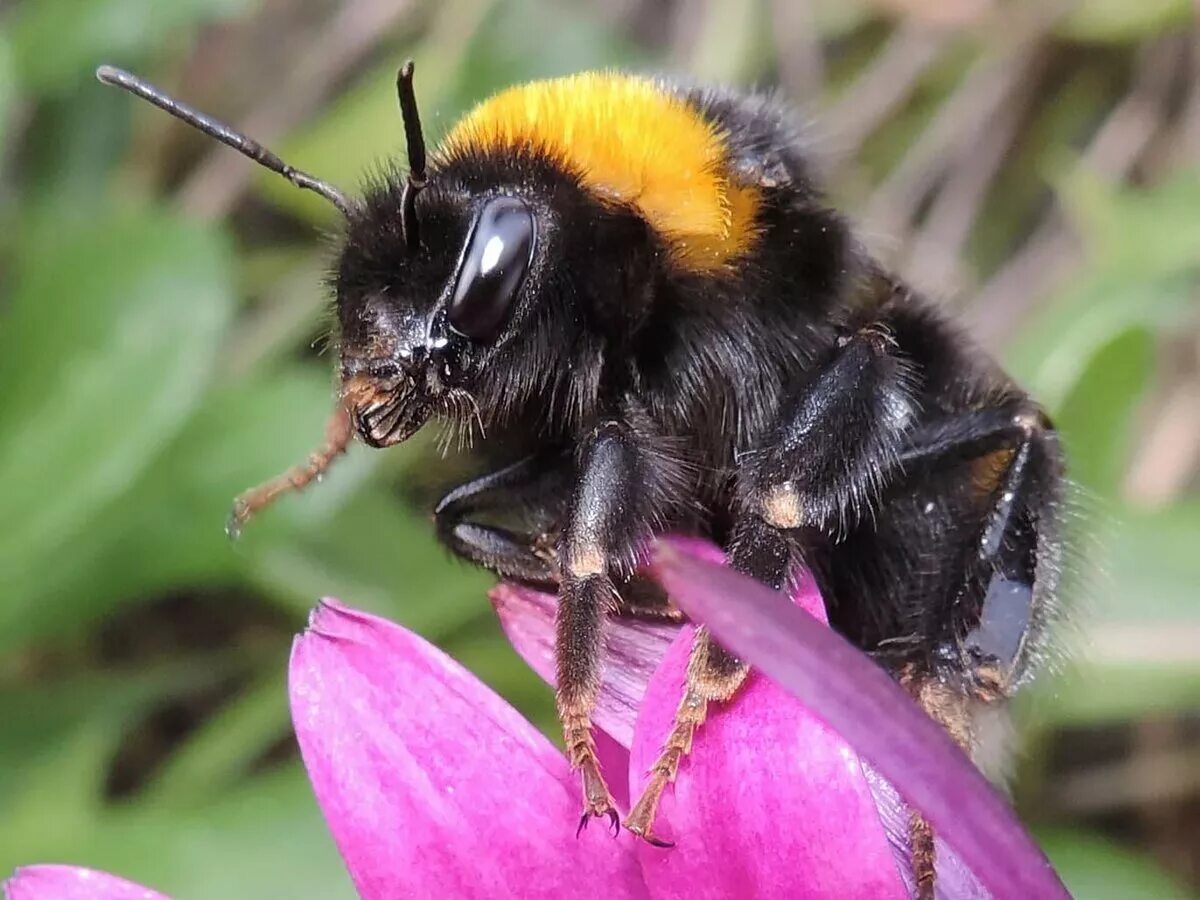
[420, 321]
[470, 286]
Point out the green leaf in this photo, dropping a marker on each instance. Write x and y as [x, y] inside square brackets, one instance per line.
[1099, 693]
[59, 794]
[107, 346]
[1059, 344]
[1095, 419]
[45, 715]
[263, 839]
[1144, 252]
[1097, 869]
[8, 88]
[1132, 630]
[57, 742]
[1151, 563]
[1137, 233]
[57, 41]
[245, 433]
[80, 138]
[473, 48]
[168, 528]
[376, 555]
[222, 750]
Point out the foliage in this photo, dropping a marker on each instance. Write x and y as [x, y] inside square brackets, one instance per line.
[154, 364]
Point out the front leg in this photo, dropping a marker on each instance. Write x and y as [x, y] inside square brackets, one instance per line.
[607, 521]
[833, 449]
[530, 491]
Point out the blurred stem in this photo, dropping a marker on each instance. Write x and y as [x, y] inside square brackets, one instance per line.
[720, 40]
[884, 86]
[1052, 250]
[1170, 450]
[1130, 643]
[935, 259]
[285, 316]
[798, 48]
[216, 184]
[1188, 149]
[969, 111]
[1149, 776]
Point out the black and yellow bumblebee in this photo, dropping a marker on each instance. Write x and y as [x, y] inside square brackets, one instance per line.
[638, 293]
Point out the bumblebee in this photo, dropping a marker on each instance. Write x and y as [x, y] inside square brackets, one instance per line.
[639, 296]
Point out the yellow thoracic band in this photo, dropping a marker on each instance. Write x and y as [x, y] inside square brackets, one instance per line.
[632, 141]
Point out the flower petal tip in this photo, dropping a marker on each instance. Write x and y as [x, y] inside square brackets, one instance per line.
[506, 596]
[498, 595]
[58, 882]
[425, 776]
[332, 620]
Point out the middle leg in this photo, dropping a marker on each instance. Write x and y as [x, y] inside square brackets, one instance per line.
[834, 448]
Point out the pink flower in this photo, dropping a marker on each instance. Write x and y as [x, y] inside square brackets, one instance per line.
[72, 883]
[434, 786]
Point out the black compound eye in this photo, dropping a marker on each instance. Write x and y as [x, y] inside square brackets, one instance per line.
[498, 255]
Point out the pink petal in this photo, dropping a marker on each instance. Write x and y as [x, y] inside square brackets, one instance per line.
[770, 803]
[857, 698]
[614, 763]
[72, 883]
[431, 784]
[528, 620]
[632, 651]
[954, 880]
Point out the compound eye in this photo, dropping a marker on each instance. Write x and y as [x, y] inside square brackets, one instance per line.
[498, 255]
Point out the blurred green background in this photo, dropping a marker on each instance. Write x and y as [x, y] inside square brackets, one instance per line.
[162, 318]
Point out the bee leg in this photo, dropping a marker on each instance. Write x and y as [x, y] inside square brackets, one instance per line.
[979, 642]
[584, 601]
[987, 629]
[713, 674]
[535, 485]
[950, 708]
[835, 444]
[605, 523]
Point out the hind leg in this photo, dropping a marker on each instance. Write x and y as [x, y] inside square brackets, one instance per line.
[998, 539]
[980, 502]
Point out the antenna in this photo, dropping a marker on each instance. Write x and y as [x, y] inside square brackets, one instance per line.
[416, 154]
[228, 136]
